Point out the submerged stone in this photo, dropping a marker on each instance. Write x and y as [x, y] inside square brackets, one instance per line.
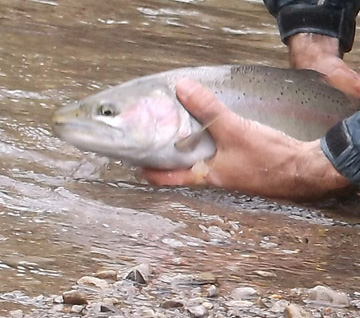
[322, 295]
[106, 274]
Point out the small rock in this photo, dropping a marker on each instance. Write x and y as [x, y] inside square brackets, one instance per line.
[322, 295]
[93, 281]
[74, 297]
[108, 308]
[77, 309]
[296, 311]
[238, 303]
[171, 304]
[111, 301]
[16, 314]
[57, 308]
[139, 274]
[106, 274]
[279, 306]
[207, 305]
[198, 311]
[212, 291]
[243, 293]
[58, 300]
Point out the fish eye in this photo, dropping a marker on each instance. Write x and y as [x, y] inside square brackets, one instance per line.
[106, 110]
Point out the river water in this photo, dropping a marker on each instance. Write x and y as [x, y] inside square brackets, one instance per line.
[65, 214]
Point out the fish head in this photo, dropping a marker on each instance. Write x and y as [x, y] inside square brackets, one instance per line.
[121, 122]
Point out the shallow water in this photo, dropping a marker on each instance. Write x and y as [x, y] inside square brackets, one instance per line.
[65, 214]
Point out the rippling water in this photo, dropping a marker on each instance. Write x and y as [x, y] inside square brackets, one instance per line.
[65, 214]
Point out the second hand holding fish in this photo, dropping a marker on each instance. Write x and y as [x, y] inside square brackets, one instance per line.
[251, 157]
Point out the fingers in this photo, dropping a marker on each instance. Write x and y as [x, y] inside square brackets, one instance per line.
[206, 108]
[178, 177]
[346, 80]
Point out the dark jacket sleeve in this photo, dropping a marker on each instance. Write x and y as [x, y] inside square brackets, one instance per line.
[335, 18]
[341, 145]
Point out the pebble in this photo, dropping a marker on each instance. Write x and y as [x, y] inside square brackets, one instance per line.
[93, 281]
[212, 291]
[74, 297]
[207, 305]
[106, 274]
[58, 300]
[77, 309]
[279, 306]
[322, 295]
[198, 311]
[239, 303]
[168, 304]
[296, 311]
[139, 274]
[57, 308]
[16, 314]
[108, 308]
[244, 293]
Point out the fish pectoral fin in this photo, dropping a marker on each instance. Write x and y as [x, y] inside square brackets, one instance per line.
[190, 142]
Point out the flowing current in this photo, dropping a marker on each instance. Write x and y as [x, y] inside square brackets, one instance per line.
[64, 214]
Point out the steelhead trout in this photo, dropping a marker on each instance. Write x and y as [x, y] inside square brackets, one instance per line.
[143, 123]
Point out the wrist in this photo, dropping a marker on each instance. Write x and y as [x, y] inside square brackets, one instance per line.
[308, 50]
[315, 174]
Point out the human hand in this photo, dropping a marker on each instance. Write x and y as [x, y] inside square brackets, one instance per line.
[321, 53]
[252, 158]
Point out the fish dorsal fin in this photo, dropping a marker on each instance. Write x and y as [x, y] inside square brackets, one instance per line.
[190, 142]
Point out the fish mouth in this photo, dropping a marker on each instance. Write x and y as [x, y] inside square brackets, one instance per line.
[68, 128]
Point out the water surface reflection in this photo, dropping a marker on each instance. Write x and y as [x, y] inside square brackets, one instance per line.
[65, 214]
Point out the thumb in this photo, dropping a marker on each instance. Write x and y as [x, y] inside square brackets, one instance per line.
[178, 177]
[206, 108]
